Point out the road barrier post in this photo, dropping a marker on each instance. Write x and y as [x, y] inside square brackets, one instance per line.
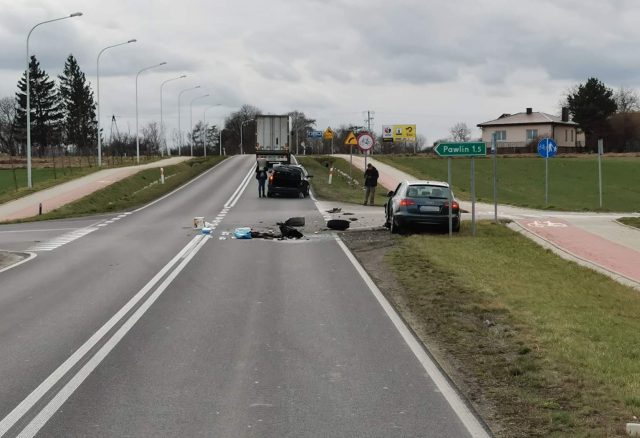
[330, 174]
[162, 175]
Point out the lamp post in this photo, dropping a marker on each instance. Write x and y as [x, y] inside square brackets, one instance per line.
[204, 120]
[179, 130]
[75, 14]
[162, 135]
[137, 135]
[191, 117]
[241, 145]
[98, 95]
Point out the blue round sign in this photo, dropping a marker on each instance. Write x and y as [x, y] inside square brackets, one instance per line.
[547, 148]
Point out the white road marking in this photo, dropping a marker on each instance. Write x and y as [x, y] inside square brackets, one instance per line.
[50, 381]
[63, 239]
[50, 409]
[463, 412]
[32, 255]
[44, 230]
[184, 256]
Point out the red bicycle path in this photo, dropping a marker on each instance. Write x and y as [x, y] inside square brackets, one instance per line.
[619, 260]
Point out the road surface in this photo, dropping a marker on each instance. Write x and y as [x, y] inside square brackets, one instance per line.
[135, 324]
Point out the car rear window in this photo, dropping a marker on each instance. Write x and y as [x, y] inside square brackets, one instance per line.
[427, 191]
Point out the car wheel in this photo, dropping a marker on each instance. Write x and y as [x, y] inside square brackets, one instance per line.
[394, 227]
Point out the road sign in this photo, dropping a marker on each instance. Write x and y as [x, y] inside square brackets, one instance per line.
[314, 134]
[328, 134]
[365, 141]
[547, 148]
[399, 133]
[351, 140]
[468, 149]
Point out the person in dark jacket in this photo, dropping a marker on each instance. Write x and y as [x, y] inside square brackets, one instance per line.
[261, 176]
[370, 183]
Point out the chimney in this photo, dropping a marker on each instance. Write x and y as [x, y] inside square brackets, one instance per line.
[565, 114]
[529, 111]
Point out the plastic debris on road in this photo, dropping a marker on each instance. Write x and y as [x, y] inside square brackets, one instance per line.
[242, 233]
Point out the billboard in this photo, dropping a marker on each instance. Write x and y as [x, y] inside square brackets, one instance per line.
[399, 133]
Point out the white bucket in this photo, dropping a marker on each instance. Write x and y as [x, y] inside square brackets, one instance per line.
[198, 222]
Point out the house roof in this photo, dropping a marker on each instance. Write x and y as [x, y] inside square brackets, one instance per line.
[535, 118]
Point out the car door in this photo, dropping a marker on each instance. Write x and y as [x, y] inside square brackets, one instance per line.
[392, 203]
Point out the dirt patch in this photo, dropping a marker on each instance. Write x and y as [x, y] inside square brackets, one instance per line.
[496, 364]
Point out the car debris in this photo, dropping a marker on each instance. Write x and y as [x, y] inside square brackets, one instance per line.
[338, 224]
[334, 210]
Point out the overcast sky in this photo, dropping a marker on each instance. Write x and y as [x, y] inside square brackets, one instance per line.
[432, 63]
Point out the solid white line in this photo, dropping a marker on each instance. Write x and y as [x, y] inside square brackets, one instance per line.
[24, 406]
[238, 192]
[50, 409]
[32, 255]
[465, 415]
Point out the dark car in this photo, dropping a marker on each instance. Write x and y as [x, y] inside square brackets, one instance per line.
[288, 179]
[415, 203]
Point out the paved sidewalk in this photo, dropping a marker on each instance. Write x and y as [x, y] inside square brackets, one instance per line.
[595, 240]
[55, 197]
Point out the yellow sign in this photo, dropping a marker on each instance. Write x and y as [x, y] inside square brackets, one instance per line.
[328, 134]
[404, 132]
[351, 140]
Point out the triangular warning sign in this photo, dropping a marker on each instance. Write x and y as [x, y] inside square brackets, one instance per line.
[351, 140]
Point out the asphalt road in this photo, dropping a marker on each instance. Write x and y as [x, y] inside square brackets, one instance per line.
[137, 325]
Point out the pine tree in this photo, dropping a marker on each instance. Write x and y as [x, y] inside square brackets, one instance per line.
[80, 123]
[46, 114]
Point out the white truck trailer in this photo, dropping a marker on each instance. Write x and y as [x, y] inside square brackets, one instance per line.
[272, 140]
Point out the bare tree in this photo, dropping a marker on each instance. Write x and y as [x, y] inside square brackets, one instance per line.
[7, 125]
[460, 132]
[627, 100]
[151, 138]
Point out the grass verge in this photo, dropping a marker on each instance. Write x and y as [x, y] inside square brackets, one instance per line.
[341, 188]
[631, 221]
[542, 346]
[136, 190]
[13, 182]
[573, 181]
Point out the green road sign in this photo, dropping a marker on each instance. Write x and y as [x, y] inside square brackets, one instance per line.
[472, 149]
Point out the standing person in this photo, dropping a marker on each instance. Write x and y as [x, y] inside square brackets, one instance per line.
[370, 183]
[261, 176]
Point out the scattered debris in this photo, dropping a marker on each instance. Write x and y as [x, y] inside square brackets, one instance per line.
[242, 233]
[353, 219]
[290, 232]
[338, 224]
[295, 222]
[264, 235]
[347, 213]
[334, 210]
[206, 230]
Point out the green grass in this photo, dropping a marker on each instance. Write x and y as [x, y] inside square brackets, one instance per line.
[631, 221]
[341, 188]
[573, 181]
[553, 345]
[133, 191]
[45, 177]
[42, 178]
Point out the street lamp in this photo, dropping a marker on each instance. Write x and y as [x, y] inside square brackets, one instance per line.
[179, 130]
[241, 125]
[164, 140]
[75, 14]
[137, 135]
[98, 96]
[191, 117]
[204, 120]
